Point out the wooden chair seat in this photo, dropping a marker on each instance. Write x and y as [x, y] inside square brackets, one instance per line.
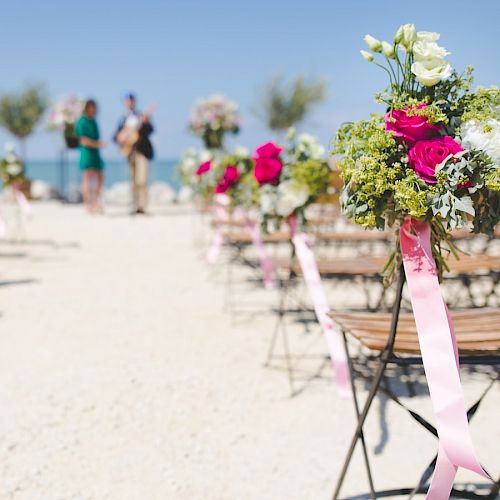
[370, 266]
[244, 238]
[477, 331]
[352, 236]
[229, 222]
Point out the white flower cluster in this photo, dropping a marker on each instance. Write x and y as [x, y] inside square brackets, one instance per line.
[429, 64]
[483, 137]
[217, 113]
[12, 164]
[308, 145]
[65, 111]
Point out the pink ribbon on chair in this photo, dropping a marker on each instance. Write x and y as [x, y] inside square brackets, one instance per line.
[23, 203]
[220, 212]
[440, 358]
[312, 278]
[265, 262]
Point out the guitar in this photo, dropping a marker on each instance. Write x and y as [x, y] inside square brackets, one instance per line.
[129, 135]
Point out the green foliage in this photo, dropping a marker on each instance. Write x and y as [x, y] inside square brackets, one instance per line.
[20, 112]
[313, 173]
[284, 104]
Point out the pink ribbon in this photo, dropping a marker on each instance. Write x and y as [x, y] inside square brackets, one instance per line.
[440, 358]
[333, 337]
[265, 262]
[220, 212]
[23, 203]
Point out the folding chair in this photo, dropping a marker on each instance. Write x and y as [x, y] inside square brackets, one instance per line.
[394, 338]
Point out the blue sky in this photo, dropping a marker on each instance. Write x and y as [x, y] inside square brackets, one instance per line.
[174, 51]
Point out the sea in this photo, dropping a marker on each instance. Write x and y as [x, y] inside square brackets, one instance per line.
[64, 174]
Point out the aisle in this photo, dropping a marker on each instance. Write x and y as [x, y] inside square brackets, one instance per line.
[121, 376]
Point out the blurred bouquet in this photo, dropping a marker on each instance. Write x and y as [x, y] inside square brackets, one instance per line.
[63, 116]
[208, 173]
[289, 180]
[213, 117]
[434, 155]
[11, 168]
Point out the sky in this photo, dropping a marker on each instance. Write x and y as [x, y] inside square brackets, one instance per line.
[175, 51]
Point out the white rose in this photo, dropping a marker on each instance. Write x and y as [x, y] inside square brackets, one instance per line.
[10, 157]
[406, 35]
[290, 197]
[474, 136]
[14, 169]
[205, 155]
[427, 36]
[431, 72]
[267, 202]
[241, 151]
[373, 44]
[425, 50]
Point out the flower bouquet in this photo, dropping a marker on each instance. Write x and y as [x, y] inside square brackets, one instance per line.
[12, 168]
[63, 116]
[212, 118]
[290, 179]
[433, 156]
[13, 177]
[428, 165]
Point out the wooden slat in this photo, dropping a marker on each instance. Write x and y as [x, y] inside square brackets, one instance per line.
[477, 330]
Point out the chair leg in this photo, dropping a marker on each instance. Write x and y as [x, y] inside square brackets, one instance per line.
[281, 315]
[356, 409]
[379, 374]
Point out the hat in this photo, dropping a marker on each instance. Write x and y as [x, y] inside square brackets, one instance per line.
[129, 95]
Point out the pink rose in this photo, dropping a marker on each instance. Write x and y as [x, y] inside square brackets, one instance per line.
[204, 168]
[267, 163]
[230, 176]
[425, 156]
[410, 128]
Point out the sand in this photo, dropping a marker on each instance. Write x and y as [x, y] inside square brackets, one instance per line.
[123, 376]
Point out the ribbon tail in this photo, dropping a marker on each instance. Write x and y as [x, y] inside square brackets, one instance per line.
[214, 250]
[333, 337]
[24, 204]
[265, 262]
[440, 358]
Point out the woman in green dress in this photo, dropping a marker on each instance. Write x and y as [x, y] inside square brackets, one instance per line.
[91, 162]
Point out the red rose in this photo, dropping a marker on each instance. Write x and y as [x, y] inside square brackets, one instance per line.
[230, 176]
[267, 163]
[425, 156]
[411, 128]
[204, 168]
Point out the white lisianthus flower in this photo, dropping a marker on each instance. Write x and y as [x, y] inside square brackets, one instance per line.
[14, 169]
[9, 147]
[268, 201]
[373, 44]
[366, 55]
[205, 155]
[425, 51]
[190, 164]
[290, 133]
[310, 146]
[388, 50]
[431, 72]
[241, 151]
[482, 137]
[406, 35]
[10, 157]
[427, 36]
[290, 196]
